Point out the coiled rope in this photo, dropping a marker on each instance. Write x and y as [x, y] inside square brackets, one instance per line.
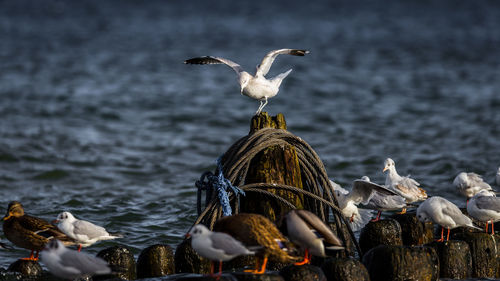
[234, 166]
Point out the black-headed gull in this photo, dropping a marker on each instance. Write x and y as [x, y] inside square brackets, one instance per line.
[404, 186]
[443, 212]
[86, 233]
[255, 230]
[469, 184]
[309, 232]
[255, 86]
[383, 201]
[70, 264]
[362, 192]
[216, 246]
[485, 207]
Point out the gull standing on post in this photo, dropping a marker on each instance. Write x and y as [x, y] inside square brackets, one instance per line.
[362, 191]
[383, 201]
[84, 232]
[469, 184]
[216, 246]
[485, 207]
[441, 211]
[255, 86]
[404, 186]
[70, 264]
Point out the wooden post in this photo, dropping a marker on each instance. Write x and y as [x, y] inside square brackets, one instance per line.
[276, 164]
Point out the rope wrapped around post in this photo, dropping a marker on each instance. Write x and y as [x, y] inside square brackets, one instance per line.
[317, 190]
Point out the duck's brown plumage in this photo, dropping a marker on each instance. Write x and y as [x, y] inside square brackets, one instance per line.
[256, 230]
[30, 232]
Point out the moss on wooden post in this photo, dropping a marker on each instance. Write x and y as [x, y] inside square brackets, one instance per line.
[276, 164]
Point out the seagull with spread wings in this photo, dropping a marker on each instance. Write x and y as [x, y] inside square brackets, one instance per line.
[255, 86]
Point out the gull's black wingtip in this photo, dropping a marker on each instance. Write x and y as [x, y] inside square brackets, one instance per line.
[299, 52]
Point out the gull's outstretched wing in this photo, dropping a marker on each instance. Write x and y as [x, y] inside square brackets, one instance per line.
[268, 60]
[362, 191]
[215, 60]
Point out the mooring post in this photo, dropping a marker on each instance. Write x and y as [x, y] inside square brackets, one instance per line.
[276, 164]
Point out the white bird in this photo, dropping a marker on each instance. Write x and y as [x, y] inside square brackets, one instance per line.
[383, 202]
[70, 264]
[309, 232]
[255, 86]
[357, 217]
[497, 178]
[86, 233]
[216, 246]
[469, 184]
[404, 186]
[485, 207]
[362, 192]
[444, 213]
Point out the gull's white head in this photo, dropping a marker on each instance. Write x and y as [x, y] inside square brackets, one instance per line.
[365, 178]
[389, 164]
[461, 179]
[65, 216]
[198, 230]
[244, 79]
[422, 215]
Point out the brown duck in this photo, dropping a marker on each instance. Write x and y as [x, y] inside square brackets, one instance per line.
[30, 232]
[256, 230]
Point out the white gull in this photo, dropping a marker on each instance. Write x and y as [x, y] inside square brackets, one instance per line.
[404, 186]
[70, 264]
[443, 212]
[216, 246]
[86, 233]
[485, 207]
[469, 184]
[255, 86]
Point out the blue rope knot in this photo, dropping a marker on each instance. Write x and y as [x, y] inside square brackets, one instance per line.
[209, 182]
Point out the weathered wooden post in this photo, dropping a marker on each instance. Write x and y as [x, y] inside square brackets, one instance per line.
[155, 261]
[276, 164]
[118, 257]
[414, 232]
[483, 249]
[455, 260]
[390, 263]
[382, 232]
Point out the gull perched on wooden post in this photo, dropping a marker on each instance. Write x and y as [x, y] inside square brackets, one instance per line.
[255, 86]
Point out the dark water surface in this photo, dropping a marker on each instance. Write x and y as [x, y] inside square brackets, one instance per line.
[100, 117]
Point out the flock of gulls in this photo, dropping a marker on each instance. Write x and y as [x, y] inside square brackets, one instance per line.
[253, 234]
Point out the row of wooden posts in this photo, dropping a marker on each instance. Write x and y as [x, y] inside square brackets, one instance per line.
[398, 248]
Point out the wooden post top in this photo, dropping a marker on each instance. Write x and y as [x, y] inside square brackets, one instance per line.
[263, 120]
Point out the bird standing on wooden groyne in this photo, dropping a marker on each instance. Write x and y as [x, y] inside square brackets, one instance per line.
[255, 86]
[404, 186]
[443, 212]
[469, 184]
[86, 233]
[70, 264]
[485, 207]
[216, 246]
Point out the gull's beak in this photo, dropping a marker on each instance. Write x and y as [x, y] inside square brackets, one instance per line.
[55, 221]
[7, 217]
[187, 235]
[385, 169]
